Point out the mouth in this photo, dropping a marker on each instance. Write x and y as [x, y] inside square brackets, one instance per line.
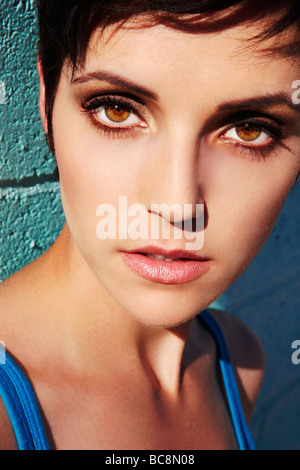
[166, 266]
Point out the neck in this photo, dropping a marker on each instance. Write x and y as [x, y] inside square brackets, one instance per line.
[96, 326]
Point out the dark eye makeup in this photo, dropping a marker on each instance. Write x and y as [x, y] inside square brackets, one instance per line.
[115, 104]
[267, 136]
[123, 115]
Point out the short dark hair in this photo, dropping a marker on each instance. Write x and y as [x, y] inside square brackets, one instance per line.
[66, 26]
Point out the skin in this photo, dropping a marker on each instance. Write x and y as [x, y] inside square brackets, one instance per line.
[123, 356]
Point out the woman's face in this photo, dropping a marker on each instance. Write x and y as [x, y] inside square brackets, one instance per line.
[165, 117]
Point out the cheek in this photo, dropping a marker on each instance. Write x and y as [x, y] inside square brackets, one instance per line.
[95, 167]
[89, 175]
[244, 199]
[94, 170]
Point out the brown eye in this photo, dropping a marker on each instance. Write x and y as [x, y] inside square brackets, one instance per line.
[116, 113]
[247, 132]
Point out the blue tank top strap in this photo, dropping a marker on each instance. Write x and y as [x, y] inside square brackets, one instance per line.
[23, 410]
[240, 425]
[22, 407]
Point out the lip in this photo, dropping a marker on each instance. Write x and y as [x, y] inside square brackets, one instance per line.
[187, 268]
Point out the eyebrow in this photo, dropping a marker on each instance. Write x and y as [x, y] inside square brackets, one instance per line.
[266, 101]
[116, 80]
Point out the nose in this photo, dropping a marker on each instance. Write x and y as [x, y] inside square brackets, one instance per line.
[172, 179]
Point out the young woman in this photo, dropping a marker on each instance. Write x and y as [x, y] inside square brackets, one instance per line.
[162, 105]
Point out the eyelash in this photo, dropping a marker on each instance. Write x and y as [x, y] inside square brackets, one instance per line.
[92, 105]
[276, 133]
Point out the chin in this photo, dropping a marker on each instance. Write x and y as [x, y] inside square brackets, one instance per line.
[163, 308]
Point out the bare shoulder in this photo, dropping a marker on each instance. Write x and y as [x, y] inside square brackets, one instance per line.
[19, 330]
[247, 357]
[19, 294]
[9, 304]
[7, 436]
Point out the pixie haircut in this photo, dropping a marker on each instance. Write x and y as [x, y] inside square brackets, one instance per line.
[66, 27]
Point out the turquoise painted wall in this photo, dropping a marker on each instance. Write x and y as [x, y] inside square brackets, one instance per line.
[31, 214]
[31, 217]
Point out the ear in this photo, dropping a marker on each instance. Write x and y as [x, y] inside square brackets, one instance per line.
[42, 97]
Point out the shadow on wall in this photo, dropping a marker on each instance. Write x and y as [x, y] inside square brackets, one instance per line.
[267, 298]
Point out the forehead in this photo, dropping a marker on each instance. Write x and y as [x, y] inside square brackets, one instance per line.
[212, 67]
[159, 49]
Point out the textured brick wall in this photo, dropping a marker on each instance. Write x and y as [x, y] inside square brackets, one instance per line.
[31, 214]
[267, 295]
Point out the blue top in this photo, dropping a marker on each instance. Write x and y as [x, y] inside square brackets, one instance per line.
[23, 410]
